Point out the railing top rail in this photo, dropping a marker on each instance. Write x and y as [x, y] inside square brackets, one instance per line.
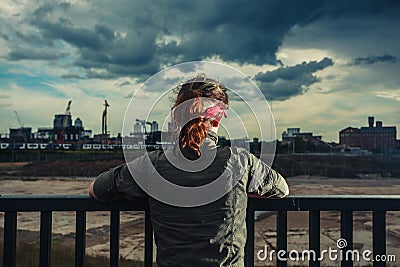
[290, 203]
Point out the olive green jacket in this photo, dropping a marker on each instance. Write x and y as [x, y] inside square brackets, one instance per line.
[213, 234]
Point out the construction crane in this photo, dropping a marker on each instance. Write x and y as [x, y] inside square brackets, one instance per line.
[104, 123]
[19, 121]
[68, 109]
[21, 127]
[65, 120]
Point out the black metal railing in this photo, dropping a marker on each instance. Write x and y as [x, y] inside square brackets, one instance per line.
[346, 204]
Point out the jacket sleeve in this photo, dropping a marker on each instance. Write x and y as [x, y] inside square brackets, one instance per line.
[116, 183]
[264, 181]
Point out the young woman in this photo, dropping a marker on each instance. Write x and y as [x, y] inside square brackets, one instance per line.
[213, 234]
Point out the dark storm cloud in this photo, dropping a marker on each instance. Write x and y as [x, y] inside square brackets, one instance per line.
[76, 36]
[136, 38]
[33, 54]
[71, 76]
[237, 32]
[286, 82]
[243, 32]
[373, 59]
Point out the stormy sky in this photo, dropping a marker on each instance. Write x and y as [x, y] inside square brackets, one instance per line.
[322, 65]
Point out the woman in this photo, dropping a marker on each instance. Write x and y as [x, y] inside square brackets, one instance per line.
[213, 234]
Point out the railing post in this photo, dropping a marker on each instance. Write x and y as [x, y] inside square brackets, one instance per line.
[379, 235]
[249, 248]
[148, 240]
[114, 239]
[10, 238]
[281, 237]
[11, 205]
[314, 236]
[80, 239]
[45, 238]
[346, 230]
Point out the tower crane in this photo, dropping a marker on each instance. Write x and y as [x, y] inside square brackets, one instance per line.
[68, 109]
[21, 127]
[104, 131]
[65, 120]
[19, 121]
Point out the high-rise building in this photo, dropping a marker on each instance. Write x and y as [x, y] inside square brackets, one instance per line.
[154, 127]
[62, 121]
[138, 128]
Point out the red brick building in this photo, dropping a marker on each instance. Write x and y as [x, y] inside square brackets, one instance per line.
[376, 138]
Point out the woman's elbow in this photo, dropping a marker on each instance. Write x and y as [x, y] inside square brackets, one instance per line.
[91, 190]
[286, 190]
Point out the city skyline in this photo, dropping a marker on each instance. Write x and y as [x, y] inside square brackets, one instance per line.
[323, 66]
[155, 126]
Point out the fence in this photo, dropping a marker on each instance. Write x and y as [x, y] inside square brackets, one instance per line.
[346, 204]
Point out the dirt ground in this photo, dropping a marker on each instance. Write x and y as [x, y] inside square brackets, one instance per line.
[132, 229]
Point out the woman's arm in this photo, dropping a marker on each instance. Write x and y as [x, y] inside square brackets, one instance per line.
[115, 183]
[91, 190]
[264, 181]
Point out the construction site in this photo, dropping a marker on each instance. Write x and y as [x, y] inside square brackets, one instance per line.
[67, 133]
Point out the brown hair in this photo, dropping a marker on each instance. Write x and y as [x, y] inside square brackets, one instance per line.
[195, 130]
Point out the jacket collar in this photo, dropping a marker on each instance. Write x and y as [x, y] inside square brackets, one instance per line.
[213, 136]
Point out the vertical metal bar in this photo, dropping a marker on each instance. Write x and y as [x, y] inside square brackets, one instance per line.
[281, 236]
[249, 248]
[379, 235]
[314, 237]
[10, 238]
[45, 238]
[114, 239]
[80, 238]
[148, 240]
[346, 229]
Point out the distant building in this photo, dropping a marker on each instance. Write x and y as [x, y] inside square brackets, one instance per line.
[65, 132]
[138, 129]
[21, 135]
[154, 127]
[86, 134]
[78, 124]
[44, 134]
[241, 142]
[138, 135]
[62, 121]
[255, 146]
[222, 141]
[374, 138]
[154, 137]
[291, 133]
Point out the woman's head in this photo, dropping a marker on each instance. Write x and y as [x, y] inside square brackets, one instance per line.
[200, 105]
